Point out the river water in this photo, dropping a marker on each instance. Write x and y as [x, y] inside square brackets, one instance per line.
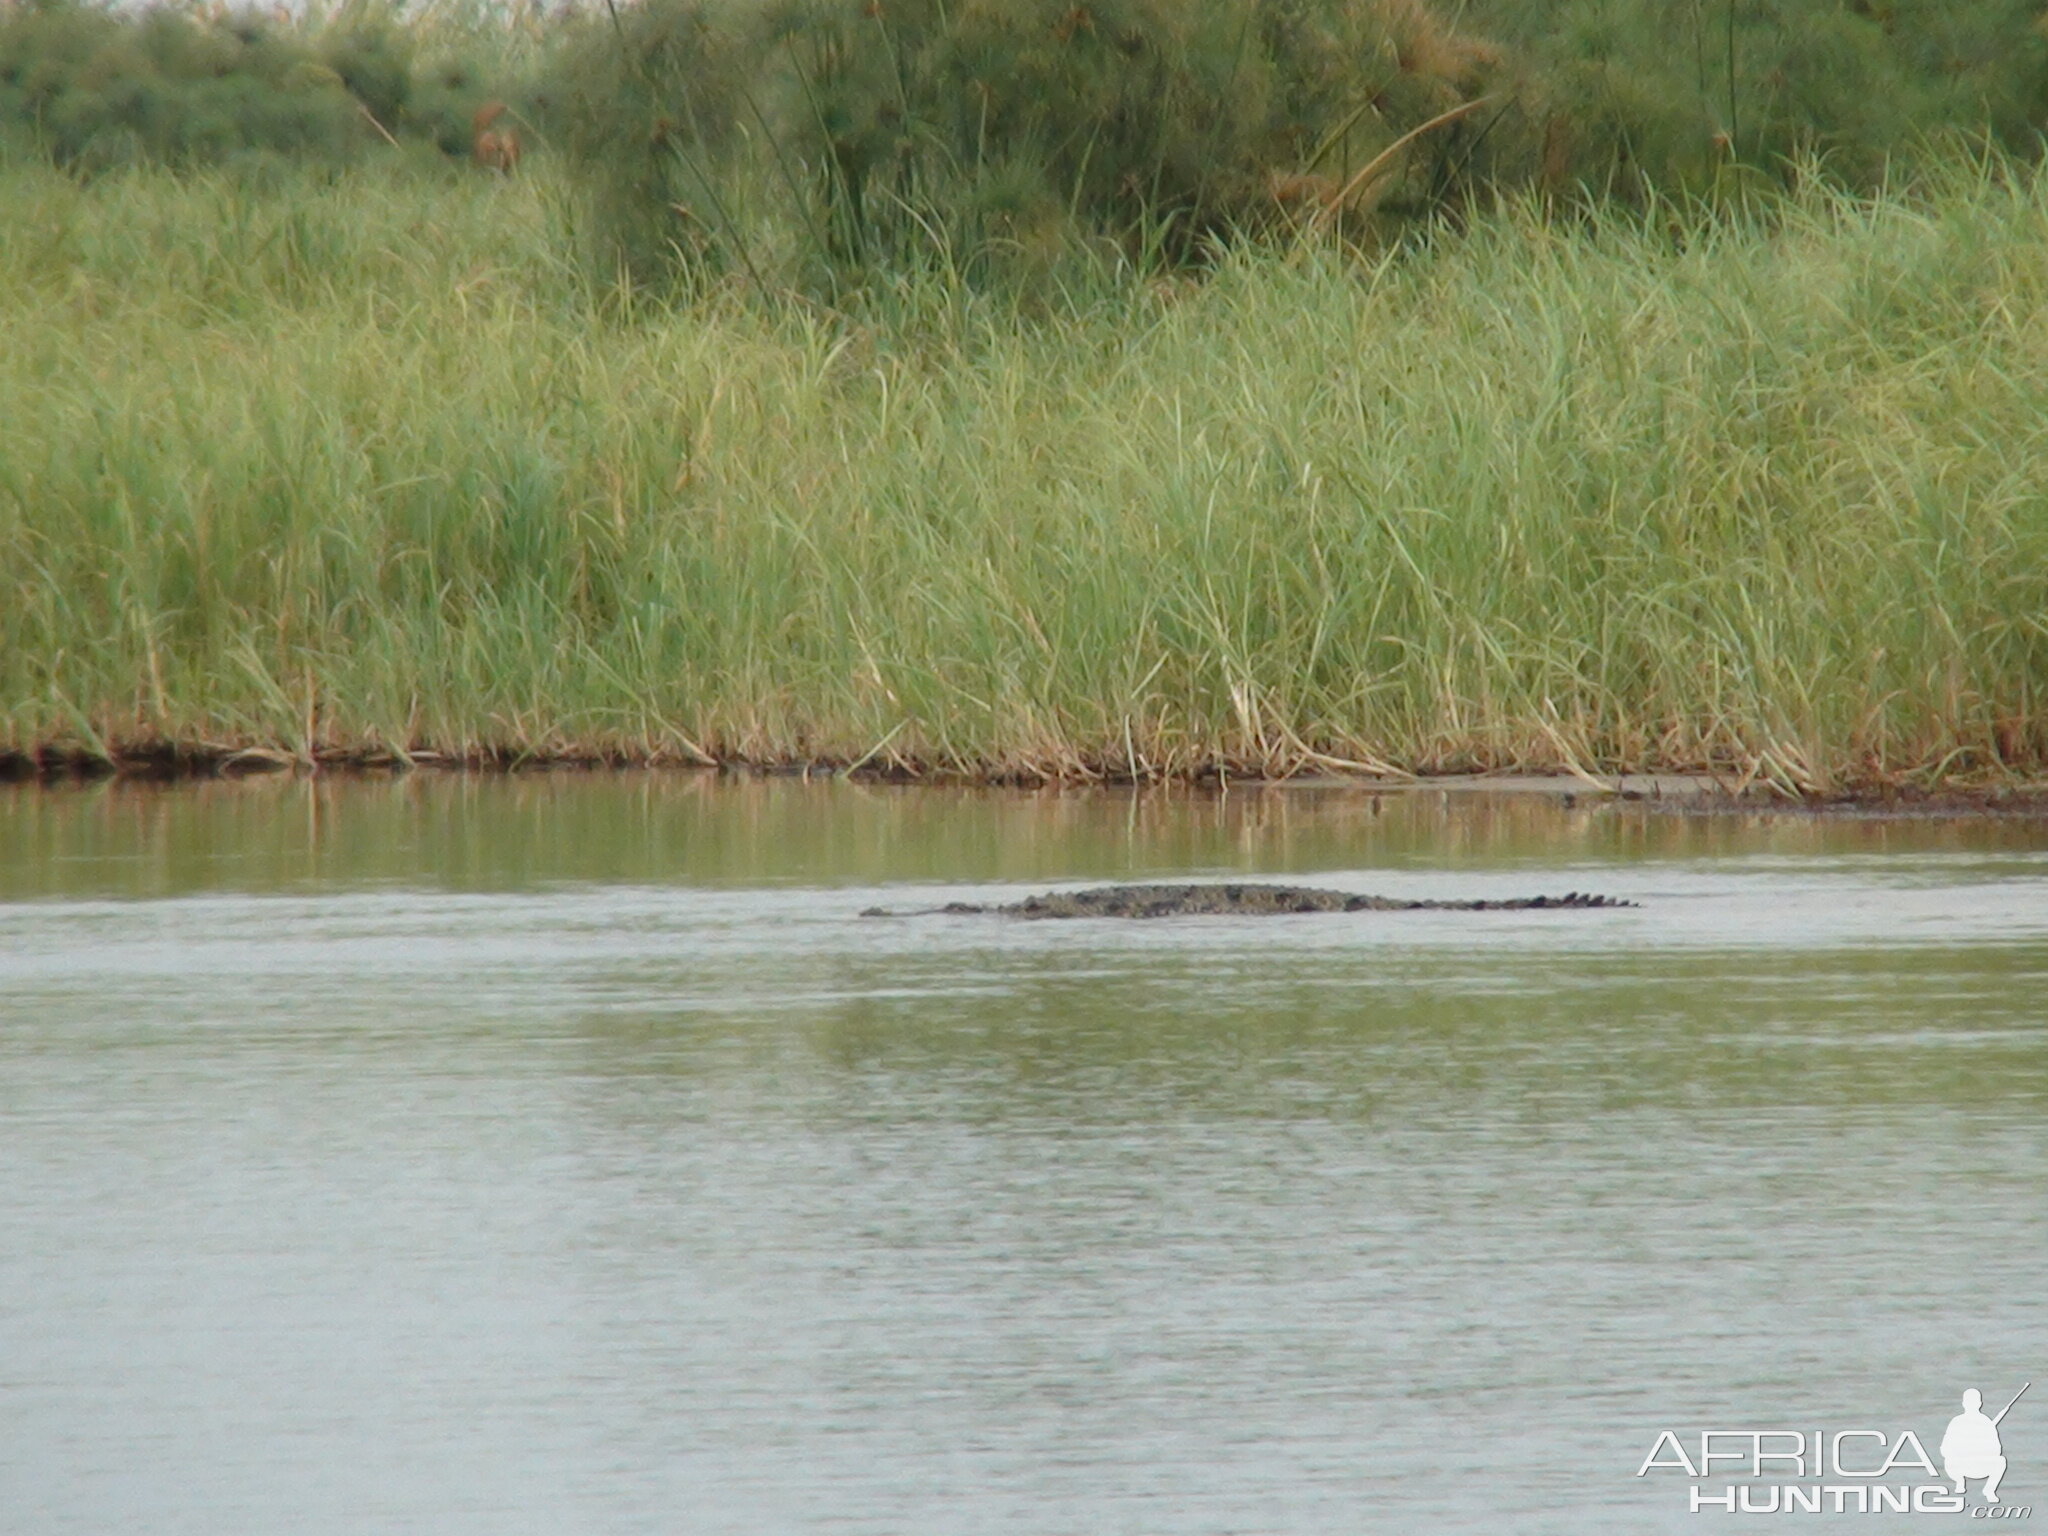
[567, 1154]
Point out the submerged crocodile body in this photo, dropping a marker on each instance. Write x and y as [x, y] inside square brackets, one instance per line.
[1237, 901]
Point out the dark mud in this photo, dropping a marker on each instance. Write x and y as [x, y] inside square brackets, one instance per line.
[1677, 793]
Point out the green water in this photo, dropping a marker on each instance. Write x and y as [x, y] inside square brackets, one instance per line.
[567, 1154]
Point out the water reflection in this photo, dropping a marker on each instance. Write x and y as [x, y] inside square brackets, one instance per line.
[514, 832]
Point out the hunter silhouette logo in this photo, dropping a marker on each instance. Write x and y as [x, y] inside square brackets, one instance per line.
[1971, 1448]
[1850, 1471]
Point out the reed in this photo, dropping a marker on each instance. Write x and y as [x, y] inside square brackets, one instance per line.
[834, 144]
[367, 464]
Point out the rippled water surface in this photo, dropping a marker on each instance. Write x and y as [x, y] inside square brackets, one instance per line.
[567, 1154]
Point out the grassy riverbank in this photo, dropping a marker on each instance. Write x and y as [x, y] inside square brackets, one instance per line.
[359, 463]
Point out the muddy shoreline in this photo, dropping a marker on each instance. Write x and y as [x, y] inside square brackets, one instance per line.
[1688, 792]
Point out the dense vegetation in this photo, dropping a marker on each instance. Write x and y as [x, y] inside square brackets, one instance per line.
[93, 88]
[1135, 388]
[821, 142]
[1004, 136]
[366, 464]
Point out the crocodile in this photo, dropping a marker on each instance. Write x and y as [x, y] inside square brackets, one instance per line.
[1236, 901]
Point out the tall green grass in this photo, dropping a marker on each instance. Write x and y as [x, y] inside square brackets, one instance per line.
[364, 463]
